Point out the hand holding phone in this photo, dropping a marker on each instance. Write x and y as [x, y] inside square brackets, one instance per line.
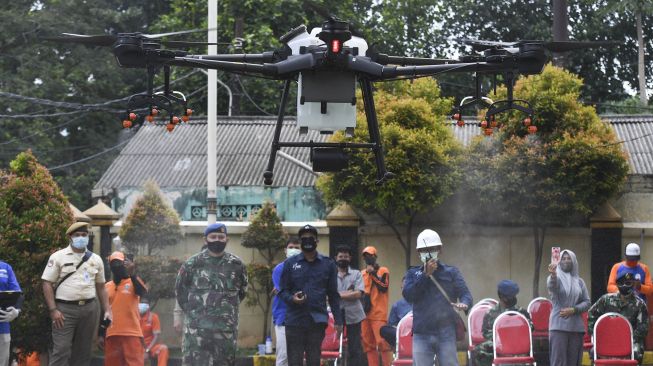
[299, 297]
[555, 255]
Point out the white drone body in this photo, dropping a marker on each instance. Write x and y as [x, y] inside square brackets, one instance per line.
[326, 100]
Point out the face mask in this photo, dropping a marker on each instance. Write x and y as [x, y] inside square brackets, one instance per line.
[143, 308]
[625, 289]
[565, 266]
[308, 244]
[343, 263]
[425, 257]
[369, 260]
[290, 252]
[510, 302]
[217, 246]
[119, 271]
[80, 242]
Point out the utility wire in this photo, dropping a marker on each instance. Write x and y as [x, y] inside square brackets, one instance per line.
[43, 130]
[242, 87]
[90, 157]
[79, 107]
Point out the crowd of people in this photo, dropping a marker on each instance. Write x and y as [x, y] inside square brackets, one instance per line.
[309, 289]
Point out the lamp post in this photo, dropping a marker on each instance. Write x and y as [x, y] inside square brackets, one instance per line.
[103, 216]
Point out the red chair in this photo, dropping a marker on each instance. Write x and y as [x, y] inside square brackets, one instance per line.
[587, 338]
[540, 311]
[331, 348]
[404, 350]
[487, 301]
[475, 327]
[512, 339]
[613, 341]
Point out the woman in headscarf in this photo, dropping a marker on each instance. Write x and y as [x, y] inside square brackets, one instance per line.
[570, 299]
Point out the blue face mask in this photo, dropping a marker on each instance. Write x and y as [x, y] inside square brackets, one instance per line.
[80, 242]
[143, 308]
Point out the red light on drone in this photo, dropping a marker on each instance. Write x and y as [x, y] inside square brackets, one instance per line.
[335, 46]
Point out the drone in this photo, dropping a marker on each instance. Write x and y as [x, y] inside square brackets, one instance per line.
[327, 64]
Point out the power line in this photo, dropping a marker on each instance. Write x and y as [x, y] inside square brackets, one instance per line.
[79, 107]
[39, 131]
[91, 156]
[242, 87]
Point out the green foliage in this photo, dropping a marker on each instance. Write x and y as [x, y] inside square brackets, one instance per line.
[152, 224]
[35, 216]
[159, 274]
[419, 149]
[265, 234]
[571, 166]
[67, 73]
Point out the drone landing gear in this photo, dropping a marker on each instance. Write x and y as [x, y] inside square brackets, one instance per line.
[330, 156]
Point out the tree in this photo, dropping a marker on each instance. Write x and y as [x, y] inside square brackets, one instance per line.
[35, 216]
[159, 274]
[265, 234]
[419, 149]
[557, 176]
[55, 74]
[639, 8]
[151, 224]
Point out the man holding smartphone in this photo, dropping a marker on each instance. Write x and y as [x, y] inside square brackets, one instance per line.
[307, 280]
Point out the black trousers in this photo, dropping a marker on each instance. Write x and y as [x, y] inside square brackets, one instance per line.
[354, 348]
[304, 340]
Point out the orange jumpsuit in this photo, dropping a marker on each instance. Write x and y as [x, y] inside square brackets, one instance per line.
[123, 345]
[376, 286]
[151, 326]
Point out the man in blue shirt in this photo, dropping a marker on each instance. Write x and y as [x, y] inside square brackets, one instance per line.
[397, 312]
[434, 317]
[306, 281]
[8, 282]
[279, 307]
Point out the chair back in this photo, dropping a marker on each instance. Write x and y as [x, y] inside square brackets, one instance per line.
[475, 324]
[512, 335]
[405, 337]
[331, 341]
[487, 301]
[613, 337]
[540, 311]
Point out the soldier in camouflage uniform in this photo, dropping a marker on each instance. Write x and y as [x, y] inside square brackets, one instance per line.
[626, 303]
[507, 291]
[210, 286]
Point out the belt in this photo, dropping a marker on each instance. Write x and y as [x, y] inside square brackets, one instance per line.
[75, 302]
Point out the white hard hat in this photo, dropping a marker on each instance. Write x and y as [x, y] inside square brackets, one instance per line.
[632, 249]
[428, 238]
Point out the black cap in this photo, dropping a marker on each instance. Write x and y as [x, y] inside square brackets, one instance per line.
[307, 228]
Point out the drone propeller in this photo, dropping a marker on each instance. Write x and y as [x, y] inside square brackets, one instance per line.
[105, 40]
[554, 46]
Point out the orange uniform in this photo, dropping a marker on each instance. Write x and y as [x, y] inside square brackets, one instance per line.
[376, 287]
[124, 339]
[151, 326]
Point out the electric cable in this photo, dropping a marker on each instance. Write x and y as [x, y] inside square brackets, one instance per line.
[242, 87]
[90, 157]
[42, 130]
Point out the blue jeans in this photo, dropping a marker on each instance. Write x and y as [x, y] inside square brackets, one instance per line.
[442, 344]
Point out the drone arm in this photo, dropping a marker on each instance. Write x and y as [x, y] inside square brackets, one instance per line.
[266, 69]
[403, 60]
[391, 72]
[244, 57]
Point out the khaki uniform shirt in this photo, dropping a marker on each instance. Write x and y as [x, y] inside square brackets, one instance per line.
[79, 286]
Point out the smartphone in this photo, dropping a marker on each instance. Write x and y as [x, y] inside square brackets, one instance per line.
[555, 255]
